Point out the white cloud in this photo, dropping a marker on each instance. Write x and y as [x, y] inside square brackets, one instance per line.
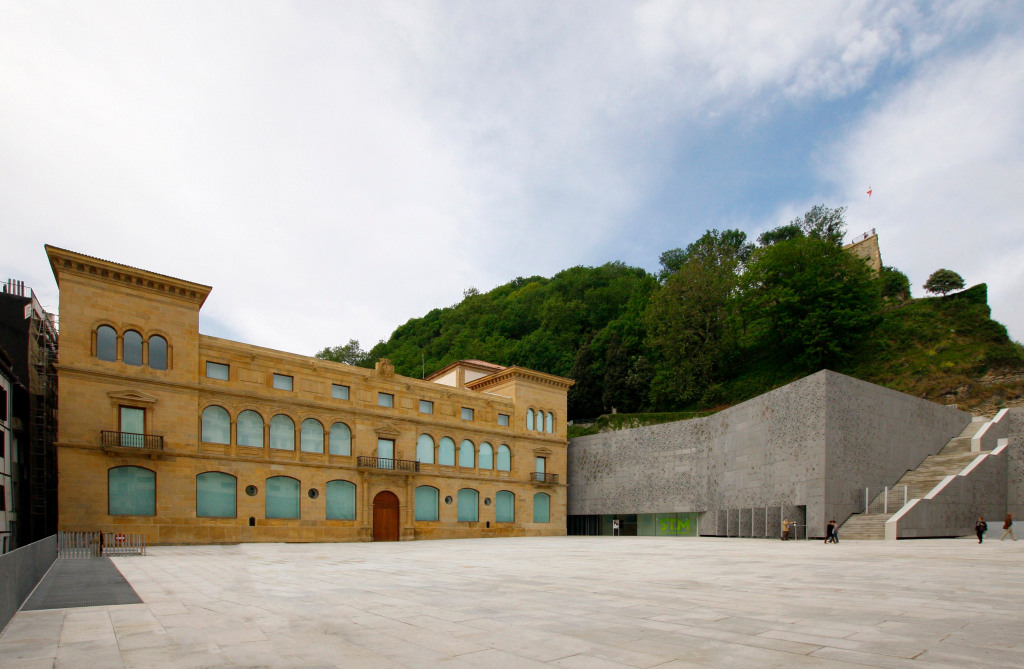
[945, 157]
[334, 169]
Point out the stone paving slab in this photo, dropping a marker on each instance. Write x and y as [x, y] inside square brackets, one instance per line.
[586, 602]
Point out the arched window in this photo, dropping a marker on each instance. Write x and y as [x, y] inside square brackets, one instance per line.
[311, 438]
[282, 433]
[467, 456]
[426, 503]
[486, 458]
[106, 343]
[469, 505]
[249, 429]
[282, 495]
[529, 419]
[131, 491]
[157, 352]
[541, 508]
[446, 452]
[425, 449]
[551, 423]
[341, 500]
[215, 495]
[341, 440]
[216, 425]
[132, 348]
[504, 458]
[505, 507]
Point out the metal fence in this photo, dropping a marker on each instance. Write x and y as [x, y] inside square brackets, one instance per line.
[78, 544]
[889, 499]
[100, 544]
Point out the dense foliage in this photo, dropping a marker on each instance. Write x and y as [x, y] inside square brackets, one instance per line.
[723, 321]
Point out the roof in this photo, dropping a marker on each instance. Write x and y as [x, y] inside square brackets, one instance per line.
[482, 365]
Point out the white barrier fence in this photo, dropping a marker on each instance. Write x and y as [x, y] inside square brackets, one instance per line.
[97, 544]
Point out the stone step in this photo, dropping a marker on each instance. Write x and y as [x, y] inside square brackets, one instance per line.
[860, 526]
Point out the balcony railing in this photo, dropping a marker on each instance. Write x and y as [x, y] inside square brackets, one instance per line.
[148, 442]
[543, 477]
[388, 463]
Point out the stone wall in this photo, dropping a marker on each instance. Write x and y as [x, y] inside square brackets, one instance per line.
[816, 442]
[1015, 463]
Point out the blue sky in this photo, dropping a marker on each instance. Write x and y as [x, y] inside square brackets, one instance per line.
[333, 169]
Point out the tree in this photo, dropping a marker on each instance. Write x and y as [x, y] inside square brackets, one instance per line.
[944, 281]
[894, 284]
[810, 300]
[713, 247]
[690, 320]
[350, 353]
[820, 222]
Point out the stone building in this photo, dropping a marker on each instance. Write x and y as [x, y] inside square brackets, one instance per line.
[826, 447]
[195, 439]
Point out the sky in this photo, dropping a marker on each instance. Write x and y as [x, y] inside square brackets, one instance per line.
[333, 169]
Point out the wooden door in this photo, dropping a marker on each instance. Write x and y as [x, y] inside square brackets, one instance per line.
[385, 516]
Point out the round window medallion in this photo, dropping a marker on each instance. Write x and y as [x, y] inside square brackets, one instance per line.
[487, 502]
[448, 499]
[313, 493]
[251, 490]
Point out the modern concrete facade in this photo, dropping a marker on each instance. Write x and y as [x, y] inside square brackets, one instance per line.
[195, 439]
[812, 445]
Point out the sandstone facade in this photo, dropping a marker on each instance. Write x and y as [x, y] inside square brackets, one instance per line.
[94, 392]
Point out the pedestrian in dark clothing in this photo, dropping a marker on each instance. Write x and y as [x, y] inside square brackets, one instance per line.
[835, 531]
[980, 528]
[830, 532]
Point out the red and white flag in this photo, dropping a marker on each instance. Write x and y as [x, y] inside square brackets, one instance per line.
[869, 191]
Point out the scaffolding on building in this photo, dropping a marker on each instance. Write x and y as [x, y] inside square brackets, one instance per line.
[42, 388]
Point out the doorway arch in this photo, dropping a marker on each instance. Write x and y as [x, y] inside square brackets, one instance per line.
[385, 516]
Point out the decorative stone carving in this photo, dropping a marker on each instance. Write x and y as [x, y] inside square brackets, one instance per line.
[384, 369]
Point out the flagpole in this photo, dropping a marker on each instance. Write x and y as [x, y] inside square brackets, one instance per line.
[871, 221]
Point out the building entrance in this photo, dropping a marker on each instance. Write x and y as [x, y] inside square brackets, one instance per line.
[385, 516]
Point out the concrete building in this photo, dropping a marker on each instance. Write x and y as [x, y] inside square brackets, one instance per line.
[195, 439]
[28, 336]
[825, 447]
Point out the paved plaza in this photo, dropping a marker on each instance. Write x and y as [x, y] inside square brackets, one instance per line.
[597, 602]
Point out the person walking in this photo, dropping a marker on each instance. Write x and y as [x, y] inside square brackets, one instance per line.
[980, 528]
[833, 531]
[830, 531]
[1008, 527]
[785, 529]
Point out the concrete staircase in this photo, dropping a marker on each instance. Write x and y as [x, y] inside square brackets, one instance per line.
[949, 461]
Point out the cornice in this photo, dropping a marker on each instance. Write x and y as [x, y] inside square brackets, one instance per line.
[63, 261]
[513, 373]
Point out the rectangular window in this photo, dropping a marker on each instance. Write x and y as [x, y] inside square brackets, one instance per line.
[282, 382]
[3, 499]
[216, 370]
[426, 407]
[133, 426]
[3, 404]
[503, 419]
[339, 392]
[386, 453]
[3, 444]
[541, 462]
[385, 400]
[467, 414]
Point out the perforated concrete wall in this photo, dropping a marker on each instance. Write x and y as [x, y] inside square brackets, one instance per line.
[817, 442]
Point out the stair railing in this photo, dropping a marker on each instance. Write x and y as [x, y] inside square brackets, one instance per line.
[889, 499]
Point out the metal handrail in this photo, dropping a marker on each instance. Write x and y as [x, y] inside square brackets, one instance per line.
[543, 477]
[150, 442]
[388, 463]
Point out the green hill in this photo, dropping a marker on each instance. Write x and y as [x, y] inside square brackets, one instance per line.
[724, 321]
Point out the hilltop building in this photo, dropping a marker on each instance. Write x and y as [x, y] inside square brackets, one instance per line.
[195, 439]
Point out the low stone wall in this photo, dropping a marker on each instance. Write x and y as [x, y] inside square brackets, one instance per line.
[20, 572]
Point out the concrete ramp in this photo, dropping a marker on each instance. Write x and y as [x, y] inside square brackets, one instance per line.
[74, 583]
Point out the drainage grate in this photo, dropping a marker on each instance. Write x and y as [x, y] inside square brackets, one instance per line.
[75, 583]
